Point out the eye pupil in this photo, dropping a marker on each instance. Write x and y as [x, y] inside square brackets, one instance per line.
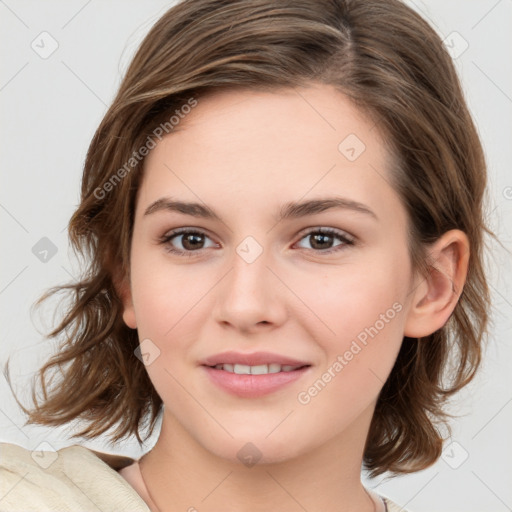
[192, 241]
[321, 239]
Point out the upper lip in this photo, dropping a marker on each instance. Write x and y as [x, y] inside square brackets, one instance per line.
[252, 359]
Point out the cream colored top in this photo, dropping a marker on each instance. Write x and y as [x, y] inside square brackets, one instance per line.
[72, 479]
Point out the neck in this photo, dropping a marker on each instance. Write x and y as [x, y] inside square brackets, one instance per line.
[180, 474]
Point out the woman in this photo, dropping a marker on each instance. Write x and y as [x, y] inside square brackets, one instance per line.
[282, 217]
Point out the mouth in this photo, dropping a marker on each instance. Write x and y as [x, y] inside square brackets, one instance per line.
[261, 369]
[245, 381]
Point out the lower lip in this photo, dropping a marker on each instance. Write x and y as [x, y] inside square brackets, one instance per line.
[253, 386]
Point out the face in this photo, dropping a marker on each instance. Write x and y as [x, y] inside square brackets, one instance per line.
[297, 247]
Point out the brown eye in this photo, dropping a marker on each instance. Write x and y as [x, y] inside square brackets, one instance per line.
[321, 241]
[324, 240]
[192, 241]
[186, 241]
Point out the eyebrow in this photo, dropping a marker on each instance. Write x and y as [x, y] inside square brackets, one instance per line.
[292, 210]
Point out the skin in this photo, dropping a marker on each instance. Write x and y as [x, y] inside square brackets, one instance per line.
[245, 154]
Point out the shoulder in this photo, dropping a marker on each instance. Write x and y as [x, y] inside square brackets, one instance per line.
[385, 504]
[392, 507]
[73, 478]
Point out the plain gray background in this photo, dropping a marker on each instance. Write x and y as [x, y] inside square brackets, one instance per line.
[50, 107]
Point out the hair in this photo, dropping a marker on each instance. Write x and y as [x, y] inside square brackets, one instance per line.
[393, 66]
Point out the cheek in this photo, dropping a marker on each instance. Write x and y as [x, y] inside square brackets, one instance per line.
[349, 299]
[166, 299]
[163, 292]
[367, 317]
[359, 316]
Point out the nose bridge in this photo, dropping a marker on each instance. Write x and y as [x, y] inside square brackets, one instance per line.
[249, 277]
[248, 295]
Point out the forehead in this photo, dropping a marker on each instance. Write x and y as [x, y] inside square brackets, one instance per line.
[251, 146]
[282, 117]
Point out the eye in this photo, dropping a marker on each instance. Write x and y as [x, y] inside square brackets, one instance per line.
[188, 241]
[323, 240]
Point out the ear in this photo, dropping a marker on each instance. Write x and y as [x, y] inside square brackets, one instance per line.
[122, 286]
[436, 295]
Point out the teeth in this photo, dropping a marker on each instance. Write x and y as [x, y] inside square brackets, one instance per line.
[242, 369]
[257, 370]
[262, 369]
[274, 368]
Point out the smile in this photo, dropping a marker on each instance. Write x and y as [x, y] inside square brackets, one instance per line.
[254, 381]
[261, 369]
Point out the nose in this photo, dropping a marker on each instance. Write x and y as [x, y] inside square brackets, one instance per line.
[251, 297]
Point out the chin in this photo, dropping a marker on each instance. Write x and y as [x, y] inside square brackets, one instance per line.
[254, 448]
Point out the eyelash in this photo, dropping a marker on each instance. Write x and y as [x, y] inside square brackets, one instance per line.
[340, 235]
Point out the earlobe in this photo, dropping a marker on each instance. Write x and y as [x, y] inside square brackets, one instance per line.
[436, 295]
[129, 316]
[123, 289]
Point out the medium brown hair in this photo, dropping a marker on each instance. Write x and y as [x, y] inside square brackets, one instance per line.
[394, 67]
